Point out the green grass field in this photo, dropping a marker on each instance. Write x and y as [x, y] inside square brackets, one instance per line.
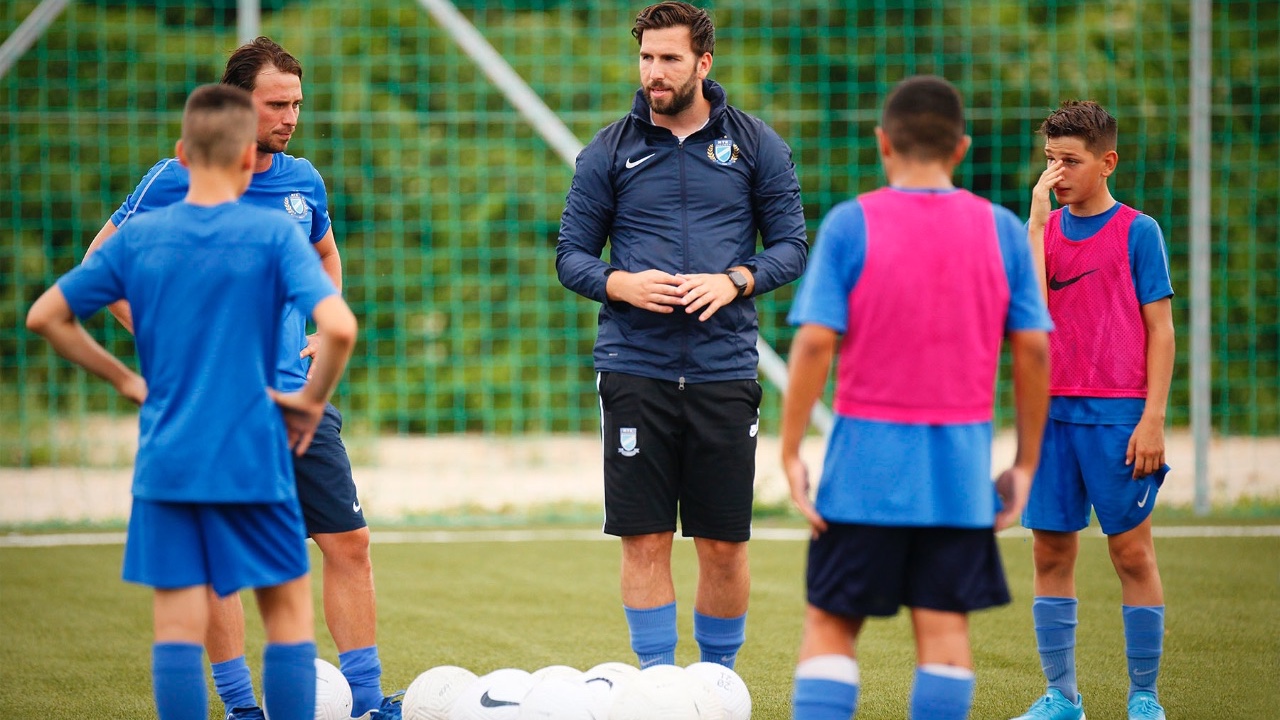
[76, 640]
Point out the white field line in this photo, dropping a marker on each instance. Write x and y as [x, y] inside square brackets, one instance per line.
[402, 537]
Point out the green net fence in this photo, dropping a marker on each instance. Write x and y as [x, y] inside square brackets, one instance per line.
[446, 202]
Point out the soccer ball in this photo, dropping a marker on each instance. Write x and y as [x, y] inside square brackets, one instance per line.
[557, 698]
[728, 685]
[333, 694]
[432, 694]
[495, 696]
[666, 692]
[605, 681]
[557, 671]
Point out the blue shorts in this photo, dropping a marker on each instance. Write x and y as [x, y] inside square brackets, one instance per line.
[1082, 466]
[326, 489]
[228, 546]
[857, 571]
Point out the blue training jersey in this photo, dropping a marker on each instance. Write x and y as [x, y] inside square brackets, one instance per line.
[902, 474]
[291, 185]
[1149, 266]
[206, 286]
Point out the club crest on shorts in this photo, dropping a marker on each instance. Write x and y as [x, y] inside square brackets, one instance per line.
[296, 206]
[723, 151]
[627, 442]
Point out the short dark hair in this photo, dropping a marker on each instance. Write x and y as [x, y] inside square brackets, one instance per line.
[1084, 119]
[248, 60]
[702, 33]
[924, 118]
[218, 123]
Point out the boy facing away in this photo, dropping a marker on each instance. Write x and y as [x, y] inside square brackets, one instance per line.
[214, 501]
[1112, 350]
[924, 281]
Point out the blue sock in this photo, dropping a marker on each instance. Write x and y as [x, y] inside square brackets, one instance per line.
[719, 638]
[363, 672]
[1143, 643]
[653, 634]
[941, 692]
[289, 681]
[177, 677]
[234, 683]
[1055, 619]
[826, 688]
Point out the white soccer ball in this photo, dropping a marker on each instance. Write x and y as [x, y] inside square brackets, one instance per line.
[557, 671]
[432, 694]
[557, 698]
[666, 692]
[495, 696]
[606, 681]
[728, 685]
[333, 694]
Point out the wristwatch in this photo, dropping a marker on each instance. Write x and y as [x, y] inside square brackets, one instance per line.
[739, 280]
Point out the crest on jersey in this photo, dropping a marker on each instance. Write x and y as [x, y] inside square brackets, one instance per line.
[723, 151]
[296, 206]
[627, 442]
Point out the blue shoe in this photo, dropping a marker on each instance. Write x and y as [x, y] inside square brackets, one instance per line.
[390, 709]
[249, 713]
[1143, 706]
[1055, 706]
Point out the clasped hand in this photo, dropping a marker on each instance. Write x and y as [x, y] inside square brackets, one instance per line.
[661, 292]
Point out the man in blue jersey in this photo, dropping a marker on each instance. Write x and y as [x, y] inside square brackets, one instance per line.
[923, 280]
[331, 507]
[215, 506]
[682, 189]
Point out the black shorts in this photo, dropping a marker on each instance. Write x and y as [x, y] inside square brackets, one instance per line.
[872, 570]
[669, 450]
[326, 490]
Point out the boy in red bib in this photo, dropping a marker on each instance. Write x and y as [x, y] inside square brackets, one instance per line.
[1107, 284]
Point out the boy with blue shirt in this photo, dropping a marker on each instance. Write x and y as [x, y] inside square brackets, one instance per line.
[1108, 289]
[215, 507]
[331, 507]
[924, 281]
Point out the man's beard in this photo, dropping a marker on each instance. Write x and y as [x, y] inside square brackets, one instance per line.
[681, 98]
[269, 147]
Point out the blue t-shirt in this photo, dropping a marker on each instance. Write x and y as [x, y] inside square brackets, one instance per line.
[885, 473]
[1149, 266]
[206, 286]
[292, 185]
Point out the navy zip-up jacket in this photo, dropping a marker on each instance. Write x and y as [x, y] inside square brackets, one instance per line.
[682, 207]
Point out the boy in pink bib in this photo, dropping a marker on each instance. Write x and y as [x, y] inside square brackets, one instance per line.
[1106, 278]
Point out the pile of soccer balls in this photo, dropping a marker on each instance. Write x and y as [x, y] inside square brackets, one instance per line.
[609, 691]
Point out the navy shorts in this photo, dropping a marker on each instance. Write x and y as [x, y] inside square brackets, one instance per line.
[227, 546]
[871, 570]
[670, 451]
[326, 489]
[1082, 467]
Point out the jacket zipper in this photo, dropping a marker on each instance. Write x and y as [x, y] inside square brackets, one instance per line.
[684, 239]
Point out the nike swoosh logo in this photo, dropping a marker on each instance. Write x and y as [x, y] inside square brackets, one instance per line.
[355, 506]
[1145, 495]
[1056, 284]
[632, 163]
[486, 701]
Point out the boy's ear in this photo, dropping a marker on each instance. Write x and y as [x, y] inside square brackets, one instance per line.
[180, 153]
[882, 142]
[962, 149]
[1109, 160]
[249, 156]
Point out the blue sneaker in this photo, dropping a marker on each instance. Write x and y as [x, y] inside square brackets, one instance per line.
[390, 709]
[243, 713]
[1055, 706]
[1143, 706]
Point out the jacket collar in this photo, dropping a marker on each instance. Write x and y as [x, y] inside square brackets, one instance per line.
[711, 90]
